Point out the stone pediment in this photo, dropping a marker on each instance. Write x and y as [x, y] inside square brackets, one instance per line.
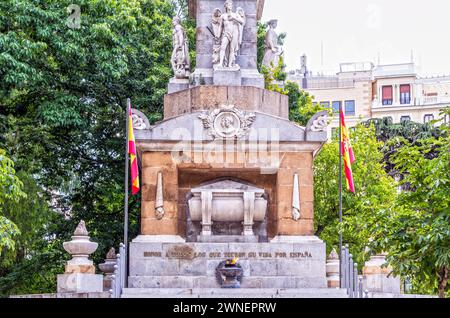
[227, 186]
[190, 127]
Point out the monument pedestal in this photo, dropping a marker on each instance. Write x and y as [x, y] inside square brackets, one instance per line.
[176, 85]
[222, 173]
[79, 283]
[296, 264]
[227, 76]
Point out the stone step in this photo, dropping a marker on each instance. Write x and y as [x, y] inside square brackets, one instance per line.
[200, 282]
[242, 293]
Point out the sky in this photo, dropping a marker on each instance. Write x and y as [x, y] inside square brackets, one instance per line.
[364, 30]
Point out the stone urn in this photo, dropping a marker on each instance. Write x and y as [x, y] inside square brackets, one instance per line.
[108, 268]
[230, 275]
[80, 247]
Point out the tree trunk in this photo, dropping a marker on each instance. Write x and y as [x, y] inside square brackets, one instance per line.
[442, 281]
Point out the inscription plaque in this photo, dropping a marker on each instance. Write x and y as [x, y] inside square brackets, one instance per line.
[181, 252]
[185, 252]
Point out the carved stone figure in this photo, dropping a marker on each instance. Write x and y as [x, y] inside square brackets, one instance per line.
[227, 30]
[180, 54]
[272, 53]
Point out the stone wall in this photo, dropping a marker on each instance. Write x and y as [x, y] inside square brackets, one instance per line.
[179, 178]
[211, 97]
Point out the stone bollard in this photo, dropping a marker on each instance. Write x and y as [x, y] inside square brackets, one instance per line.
[332, 269]
[108, 268]
[377, 278]
[79, 276]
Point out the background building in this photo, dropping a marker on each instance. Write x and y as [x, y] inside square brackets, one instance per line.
[366, 91]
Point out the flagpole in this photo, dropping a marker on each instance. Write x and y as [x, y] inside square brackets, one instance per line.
[340, 195]
[127, 162]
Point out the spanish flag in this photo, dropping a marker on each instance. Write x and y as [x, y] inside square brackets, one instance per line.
[347, 153]
[133, 155]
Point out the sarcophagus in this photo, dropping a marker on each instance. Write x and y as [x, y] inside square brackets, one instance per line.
[227, 201]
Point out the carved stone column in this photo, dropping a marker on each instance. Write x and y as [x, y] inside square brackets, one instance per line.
[249, 211]
[206, 213]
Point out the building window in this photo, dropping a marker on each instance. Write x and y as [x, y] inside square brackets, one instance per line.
[405, 94]
[428, 118]
[404, 119]
[350, 107]
[334, 133]
[336, 107]
[387, 94]
[325, 104]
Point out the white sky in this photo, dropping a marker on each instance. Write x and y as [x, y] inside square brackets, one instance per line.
[360, 30]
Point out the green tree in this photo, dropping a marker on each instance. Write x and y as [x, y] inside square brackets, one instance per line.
[375, 192]
[301, 106]
[393, 137]
[417, 232]
[10, 191]
[62, 119]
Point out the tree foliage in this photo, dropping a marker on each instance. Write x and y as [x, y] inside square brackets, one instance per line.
[417, 232]
[62, 120]
[375, 192]
[10, 191]
[393, 137]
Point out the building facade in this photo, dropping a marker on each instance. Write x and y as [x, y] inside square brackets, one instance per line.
[366, 91]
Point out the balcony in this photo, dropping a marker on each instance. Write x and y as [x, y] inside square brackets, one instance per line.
[417, 102]
[329, 83]
[434, 100]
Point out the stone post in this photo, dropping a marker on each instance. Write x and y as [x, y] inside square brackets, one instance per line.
[108, 269]
[332, 268]
[378, 279]
[79, 276]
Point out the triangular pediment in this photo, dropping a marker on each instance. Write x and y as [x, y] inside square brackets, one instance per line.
[227, 185]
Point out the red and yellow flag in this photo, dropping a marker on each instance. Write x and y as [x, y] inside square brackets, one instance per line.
[133, 156]
[347, 154]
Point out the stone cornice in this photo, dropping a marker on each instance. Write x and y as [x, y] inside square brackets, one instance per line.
[193, 9]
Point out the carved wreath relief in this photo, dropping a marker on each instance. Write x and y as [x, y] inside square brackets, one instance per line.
[228, 122]
[320, 124]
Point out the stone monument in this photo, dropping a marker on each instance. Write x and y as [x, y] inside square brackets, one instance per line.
[226, 175]
[378, 278]
[79, 276]
[180, 60]
[272, 51]
[108, 269]
[226, 42]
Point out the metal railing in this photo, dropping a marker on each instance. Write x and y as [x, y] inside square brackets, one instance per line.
[350, 280]
[119, 277]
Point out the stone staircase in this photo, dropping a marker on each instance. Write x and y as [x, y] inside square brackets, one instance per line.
[241, 293]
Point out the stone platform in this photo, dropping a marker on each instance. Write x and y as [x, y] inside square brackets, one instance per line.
[298, 263]
[234, 293]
